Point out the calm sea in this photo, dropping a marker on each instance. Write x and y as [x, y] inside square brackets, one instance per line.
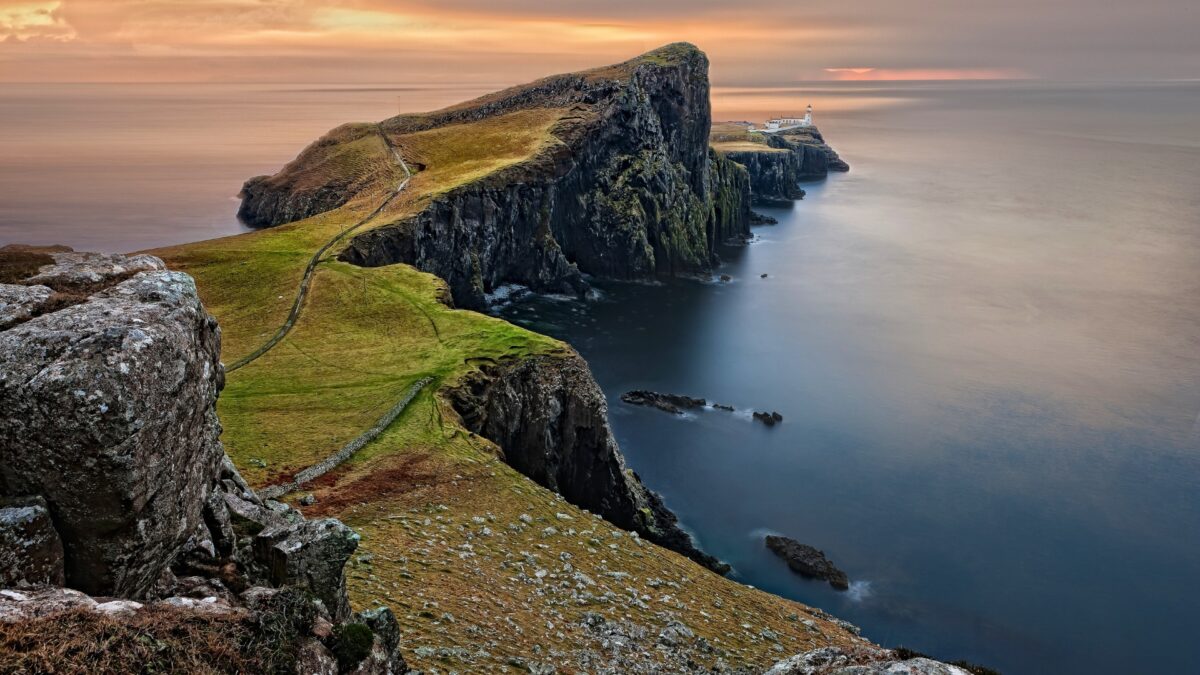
[984, 340]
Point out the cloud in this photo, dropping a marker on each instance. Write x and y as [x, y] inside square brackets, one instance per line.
[23, 21]
[755, 42]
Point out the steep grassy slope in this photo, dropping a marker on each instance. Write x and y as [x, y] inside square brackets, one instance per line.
[487, 571]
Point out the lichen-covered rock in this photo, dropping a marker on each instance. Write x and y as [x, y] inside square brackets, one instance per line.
[550, 419]
[775, 174]
[31, 553]
[43, 601]
[20, 303]
[109, 415]
[865, 661]
[310, 555]
[72, 270]
[383, 623]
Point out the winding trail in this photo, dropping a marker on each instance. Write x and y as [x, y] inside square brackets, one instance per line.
[347, 451]
[306, 280]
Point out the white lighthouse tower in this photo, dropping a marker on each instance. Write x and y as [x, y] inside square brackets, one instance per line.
[807, 117]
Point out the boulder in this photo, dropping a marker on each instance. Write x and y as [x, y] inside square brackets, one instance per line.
[83, 271]
[31, 554]
[807, 561]
[20, 303]
[310, 555]
[109, 415]
[864, 661]
[383, 623]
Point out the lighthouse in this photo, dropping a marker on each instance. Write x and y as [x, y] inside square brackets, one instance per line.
[807, 117]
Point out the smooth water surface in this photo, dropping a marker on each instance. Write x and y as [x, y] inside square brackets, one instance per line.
[985, 341]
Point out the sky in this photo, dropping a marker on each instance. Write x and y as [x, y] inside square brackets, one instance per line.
[751, 43]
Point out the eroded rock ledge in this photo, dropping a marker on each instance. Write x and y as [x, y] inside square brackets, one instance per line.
[550, 419]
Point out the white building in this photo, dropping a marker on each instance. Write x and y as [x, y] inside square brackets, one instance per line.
[783, 123]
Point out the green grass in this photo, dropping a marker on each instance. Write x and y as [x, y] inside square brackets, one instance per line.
[458, 154]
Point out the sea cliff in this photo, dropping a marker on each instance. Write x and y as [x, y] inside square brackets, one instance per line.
[777, 162]
[623, 186]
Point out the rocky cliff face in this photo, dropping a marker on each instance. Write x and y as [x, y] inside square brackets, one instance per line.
[550, 419]
[774, 176]
[113, 480]
[627, 189]
[816, 158]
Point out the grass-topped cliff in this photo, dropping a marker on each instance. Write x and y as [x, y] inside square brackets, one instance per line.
[605, 171]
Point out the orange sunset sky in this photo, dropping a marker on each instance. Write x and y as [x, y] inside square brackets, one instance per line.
[752, 43]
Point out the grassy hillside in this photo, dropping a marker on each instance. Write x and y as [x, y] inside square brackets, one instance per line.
[487, 571]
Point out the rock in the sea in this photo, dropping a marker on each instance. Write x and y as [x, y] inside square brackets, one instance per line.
[862, 661]
[672, 403]
[768, 418]
[109, 415]
[807, 561]
[31, 553]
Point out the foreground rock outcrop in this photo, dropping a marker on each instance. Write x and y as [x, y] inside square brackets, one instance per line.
[863, 661]
[109, 416]
[114, 483]
[550, 419]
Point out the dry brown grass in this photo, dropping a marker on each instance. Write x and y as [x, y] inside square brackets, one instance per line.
[16, 265]
[151, 641]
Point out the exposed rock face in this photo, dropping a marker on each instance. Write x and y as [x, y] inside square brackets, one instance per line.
[21, 303]
[807, 561]
[817, 159]
[627, 190]
[82, 272]
[834, 661]
[550, 419]
[774, 176]
[310, 555]
[31, 554]
[108, 415]
[777, 166]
